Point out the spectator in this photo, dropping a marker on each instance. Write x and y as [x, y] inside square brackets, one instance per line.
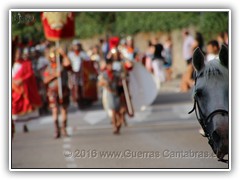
[222, 38]
[168, 58]
[188, 45]
[104, 47]
[212, 50]
[158, 63]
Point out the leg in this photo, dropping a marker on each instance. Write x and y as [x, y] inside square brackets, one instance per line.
[25, 128]
[118, 121]
[122, 116]
[123, 110]
[64, 121]
[169, 74]
[115, 122]
[190, 81]
[187, 82]
[184, 84]
[74, 93]
[56, 122]
[13, 129]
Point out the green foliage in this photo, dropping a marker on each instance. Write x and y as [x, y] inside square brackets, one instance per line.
[93, 23]
[27, 25]
[132, 22]
[89, 24]
[213, 23]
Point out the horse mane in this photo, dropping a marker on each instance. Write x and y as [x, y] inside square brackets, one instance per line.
[215, 68]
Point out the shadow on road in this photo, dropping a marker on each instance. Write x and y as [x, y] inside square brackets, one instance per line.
[169, 98]
[162, 98]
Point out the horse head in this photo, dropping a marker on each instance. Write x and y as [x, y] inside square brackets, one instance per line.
[211, 99]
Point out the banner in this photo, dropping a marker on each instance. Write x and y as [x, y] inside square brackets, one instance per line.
[58, 25]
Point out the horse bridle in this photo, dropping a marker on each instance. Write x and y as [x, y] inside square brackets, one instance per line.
[204, 120]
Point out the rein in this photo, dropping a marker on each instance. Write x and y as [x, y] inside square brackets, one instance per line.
[202, 120]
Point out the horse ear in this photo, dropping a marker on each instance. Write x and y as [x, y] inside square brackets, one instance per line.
[223, 56]
[198, 59]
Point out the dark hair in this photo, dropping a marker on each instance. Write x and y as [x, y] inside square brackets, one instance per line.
[158, 51]
[199, 39]
[149, 43]
[186, 32]
[221, 35]
[101, 41]
[214, 43]
[109, 61]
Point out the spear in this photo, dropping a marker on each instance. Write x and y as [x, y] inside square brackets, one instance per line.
[59, 68]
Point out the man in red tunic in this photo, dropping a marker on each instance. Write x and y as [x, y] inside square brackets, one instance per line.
[25, 97]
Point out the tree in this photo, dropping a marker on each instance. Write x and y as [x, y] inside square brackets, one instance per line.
[89, 24]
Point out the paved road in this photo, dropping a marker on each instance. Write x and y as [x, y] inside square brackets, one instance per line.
[162, 136]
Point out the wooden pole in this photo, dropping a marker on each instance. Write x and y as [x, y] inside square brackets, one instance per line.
[59, 68]
[128, 98]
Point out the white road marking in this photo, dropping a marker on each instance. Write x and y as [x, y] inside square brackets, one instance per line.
[66, 146]
[70, 160]
[66, 139]
[70, 130]
[67, 152]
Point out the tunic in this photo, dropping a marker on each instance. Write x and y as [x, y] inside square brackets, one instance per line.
[113, 98]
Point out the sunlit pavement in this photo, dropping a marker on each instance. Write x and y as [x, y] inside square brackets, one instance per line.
[162, 136]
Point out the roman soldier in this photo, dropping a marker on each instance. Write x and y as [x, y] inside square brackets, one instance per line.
[51, 75]
[109, 80]
[76, 57]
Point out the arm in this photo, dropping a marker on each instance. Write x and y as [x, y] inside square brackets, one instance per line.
[50, 77]
[101, 81]
[17, 81]
[66, 60]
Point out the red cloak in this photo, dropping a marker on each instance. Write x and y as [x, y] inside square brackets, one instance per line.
[25, 96]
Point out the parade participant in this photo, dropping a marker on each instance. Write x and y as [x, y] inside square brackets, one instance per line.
[109, 80]
[41, 65]
[95, 56]
[13, 128]
[121, 66]
[126, 48]
[76, 57]
[51, 75]
[104, 46]
[25, 97]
